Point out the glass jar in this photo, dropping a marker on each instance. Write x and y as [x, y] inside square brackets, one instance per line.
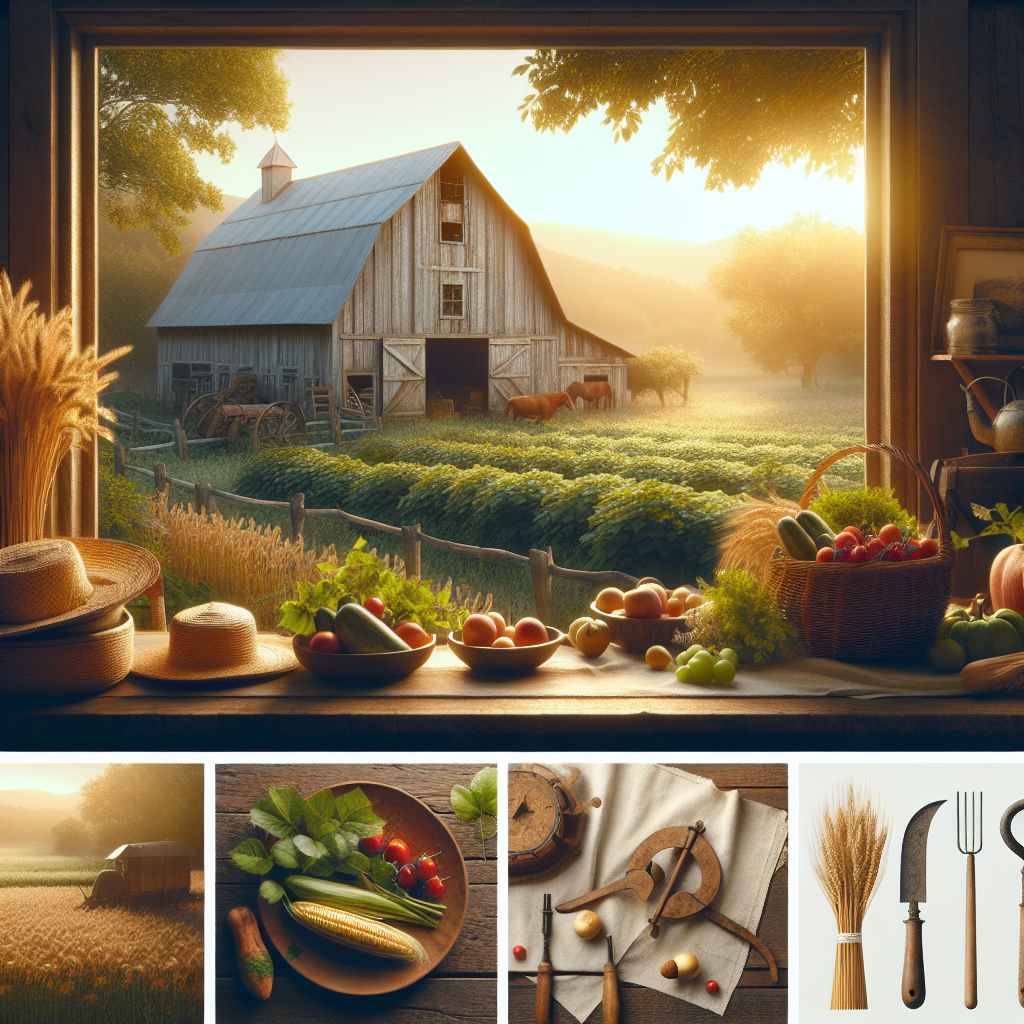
[971, 328]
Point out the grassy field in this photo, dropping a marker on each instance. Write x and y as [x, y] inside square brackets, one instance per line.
[16, 871]
[59, 963]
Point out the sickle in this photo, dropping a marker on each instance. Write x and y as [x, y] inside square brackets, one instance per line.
[1004, 827]
[680, 904]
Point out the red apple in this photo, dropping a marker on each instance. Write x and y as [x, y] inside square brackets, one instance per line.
[325, 643]
[642, 603]
[530, 632]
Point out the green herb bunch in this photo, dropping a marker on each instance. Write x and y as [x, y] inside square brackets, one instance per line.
[869, 509]
[364, 575]
[1001, 521]
[743, 615]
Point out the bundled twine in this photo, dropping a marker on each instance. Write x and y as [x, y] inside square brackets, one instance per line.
[848, 852]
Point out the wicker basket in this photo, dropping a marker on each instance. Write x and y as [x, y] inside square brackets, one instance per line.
[871, 610]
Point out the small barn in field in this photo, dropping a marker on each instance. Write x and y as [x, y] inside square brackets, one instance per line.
[152, 869]
[399, 282]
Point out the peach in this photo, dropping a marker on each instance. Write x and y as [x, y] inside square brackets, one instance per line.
[676, 607]
[503, 641]
[593, 638]
[530, 632]
[499, 621]
[610, 599]
[642, 603]
[660, 591]
[479, 631]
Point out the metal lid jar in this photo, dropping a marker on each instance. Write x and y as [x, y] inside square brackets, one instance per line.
[971, 328]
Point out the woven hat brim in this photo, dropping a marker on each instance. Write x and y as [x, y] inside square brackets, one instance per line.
[272, 659]
[118, 571]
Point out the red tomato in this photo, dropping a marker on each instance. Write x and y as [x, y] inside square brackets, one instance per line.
[479, 631]
[843, 554]
[894, 553]
[407, 877]
[928, 547]
[413, 634]
[375, 606]
[712, 987]
[325, 643]
[530, 632]
[397, 853]
[519, 952]
[825, 555]
[434, 888]
[859, 554]
[426, 869]
[875, 546]
[890, 534]
[857, 535]
[845, 540]
[911, 550]
[372, 844]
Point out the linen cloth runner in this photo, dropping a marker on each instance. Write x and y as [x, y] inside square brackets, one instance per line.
[636, 801]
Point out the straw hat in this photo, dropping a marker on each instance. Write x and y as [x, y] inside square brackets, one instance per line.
[67, 665]
[61, 582]
[214, 641]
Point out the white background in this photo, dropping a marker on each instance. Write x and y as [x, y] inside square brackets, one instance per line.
[904, 789]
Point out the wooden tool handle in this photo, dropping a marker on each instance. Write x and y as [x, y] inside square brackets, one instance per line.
[610, 999]
[913, 965]
[971, 946]
[622, 883]
[1020, 959]
[543, 994]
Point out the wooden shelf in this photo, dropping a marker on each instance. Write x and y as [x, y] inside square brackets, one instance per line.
[992, 357]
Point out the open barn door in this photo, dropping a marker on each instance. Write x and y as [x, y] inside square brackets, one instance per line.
[405, 391]
[510, 371]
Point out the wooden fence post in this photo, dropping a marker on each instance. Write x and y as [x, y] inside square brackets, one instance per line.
[211, 501]
[539, 564]
[200, 499]
[177, 437]
[120, 459]
[411, 550]
[336, 425]
[160, 478]
[297, 515]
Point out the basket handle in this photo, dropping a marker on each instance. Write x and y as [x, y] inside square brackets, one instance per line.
[899, 455]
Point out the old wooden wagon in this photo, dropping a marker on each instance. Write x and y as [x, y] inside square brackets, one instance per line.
[403, 283]
[139, 871]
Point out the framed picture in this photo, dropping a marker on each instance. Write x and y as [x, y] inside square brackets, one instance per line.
[982, 263]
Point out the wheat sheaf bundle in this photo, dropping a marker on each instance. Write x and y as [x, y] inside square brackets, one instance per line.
[49, 393]
[848, 851]
[748, 537]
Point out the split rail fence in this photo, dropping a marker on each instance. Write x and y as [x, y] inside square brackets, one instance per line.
[540, 563]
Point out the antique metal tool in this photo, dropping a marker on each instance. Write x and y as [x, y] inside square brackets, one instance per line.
[691, 842]
[1004, 831]
[610, 996]
[968, 841]
[543, 1014]
[912, 891]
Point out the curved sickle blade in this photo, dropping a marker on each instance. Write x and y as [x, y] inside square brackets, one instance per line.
[913, 856]
[1004, 829]
[737, 929]
[683, 904]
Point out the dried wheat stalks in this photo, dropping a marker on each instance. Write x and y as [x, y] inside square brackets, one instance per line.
[748, 538]
[848, 851]
[49, 395]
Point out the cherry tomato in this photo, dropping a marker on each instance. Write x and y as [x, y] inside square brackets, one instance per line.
[859, 553]
[712, 987]
[890, 534]
[434, 888]
[397, 853]
[844, 540]
[894, 553]
[857, 535]
[929, 547]
[372, 844]
[426, 869]
[407, 877]
[519, 952]
[875, 546]
[825, 555]
[375, 606]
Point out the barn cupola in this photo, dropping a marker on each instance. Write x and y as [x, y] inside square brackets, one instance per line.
[277, 167]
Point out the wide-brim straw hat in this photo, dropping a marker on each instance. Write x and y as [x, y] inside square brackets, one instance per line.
[214, 641]
[61, 582]
[61, 666]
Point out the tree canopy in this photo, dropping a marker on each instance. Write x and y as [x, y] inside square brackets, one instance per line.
[732, 110]
[663, 368]
[797, 293]
[159, 107]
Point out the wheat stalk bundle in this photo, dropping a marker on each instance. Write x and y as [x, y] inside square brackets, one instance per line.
[848, 851]
[748, 537]
[49, 404]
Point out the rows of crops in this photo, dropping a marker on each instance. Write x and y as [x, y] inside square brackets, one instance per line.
[55, 870]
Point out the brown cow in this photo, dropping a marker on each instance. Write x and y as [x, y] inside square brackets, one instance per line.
[591, 392]
[537, 407]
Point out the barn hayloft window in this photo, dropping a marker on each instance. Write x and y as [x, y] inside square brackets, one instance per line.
[452, 302]
[453, 206]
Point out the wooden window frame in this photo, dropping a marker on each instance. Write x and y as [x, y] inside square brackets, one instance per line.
[916, 116]
[462, 299]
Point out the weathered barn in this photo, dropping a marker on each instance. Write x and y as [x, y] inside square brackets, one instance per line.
[400, 281]
[151, 869]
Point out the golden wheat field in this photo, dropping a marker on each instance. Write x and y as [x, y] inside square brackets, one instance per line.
[60, 963]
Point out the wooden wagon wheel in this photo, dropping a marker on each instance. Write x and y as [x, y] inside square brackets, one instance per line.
[278, 425]
[201, 413]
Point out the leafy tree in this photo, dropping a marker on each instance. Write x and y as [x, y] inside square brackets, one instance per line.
[71, 837]
[664, 368]
[733, 110]
[157, 108]
[797, 293]
[142, 803]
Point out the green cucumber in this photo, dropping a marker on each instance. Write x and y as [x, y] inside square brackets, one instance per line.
[323, 620]
[363, 633]
[795, 540]
[825, 541]
[815, 527]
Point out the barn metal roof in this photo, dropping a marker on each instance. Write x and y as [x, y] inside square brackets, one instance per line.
[169, 848]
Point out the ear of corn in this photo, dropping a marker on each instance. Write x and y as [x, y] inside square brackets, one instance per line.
[369, 903]
[357, 932]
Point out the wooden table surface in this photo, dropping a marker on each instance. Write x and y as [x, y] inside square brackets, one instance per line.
[462, 988]
[756, 1000]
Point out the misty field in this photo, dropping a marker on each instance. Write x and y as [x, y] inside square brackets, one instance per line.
[59, 963]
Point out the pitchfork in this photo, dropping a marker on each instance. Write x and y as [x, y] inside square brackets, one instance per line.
[968, 841]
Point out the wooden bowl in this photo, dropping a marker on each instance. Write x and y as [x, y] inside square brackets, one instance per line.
[340, 969]
[356, 668]
[636, 635]
[505, 661]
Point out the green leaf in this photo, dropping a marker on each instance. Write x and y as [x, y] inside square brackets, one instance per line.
[356, 862]
[251, 855]
[318, 808]
[383, 873]
[487, 827]
[357, 830]
[310, 847]
[285, 854]
[464, 804]
[339, 846]
[484, 788]
[324, 829]
[271, 823]
[297, 618]
[270, 890]
[288, 802]
[322, 868]
[354, 807]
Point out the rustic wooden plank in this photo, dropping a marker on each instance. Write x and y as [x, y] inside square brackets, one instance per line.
[297, 1001]
[474, 952]
[750, 1005]
[742, 775]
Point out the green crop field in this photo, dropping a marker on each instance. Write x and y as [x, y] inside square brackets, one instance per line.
[20, 870]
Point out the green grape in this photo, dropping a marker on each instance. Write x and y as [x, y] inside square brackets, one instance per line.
[683, 673]
[701, 672]
[730, 655]
[724, 671]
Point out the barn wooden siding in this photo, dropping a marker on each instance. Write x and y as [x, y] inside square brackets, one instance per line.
[147, 876]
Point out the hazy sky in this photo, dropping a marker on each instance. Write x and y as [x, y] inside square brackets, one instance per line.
[53, 778]
[354, 106]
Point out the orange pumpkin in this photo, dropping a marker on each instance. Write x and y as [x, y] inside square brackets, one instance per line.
[1006, 579]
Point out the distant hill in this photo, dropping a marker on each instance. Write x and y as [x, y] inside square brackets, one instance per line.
[37, 799]
[684, 262]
